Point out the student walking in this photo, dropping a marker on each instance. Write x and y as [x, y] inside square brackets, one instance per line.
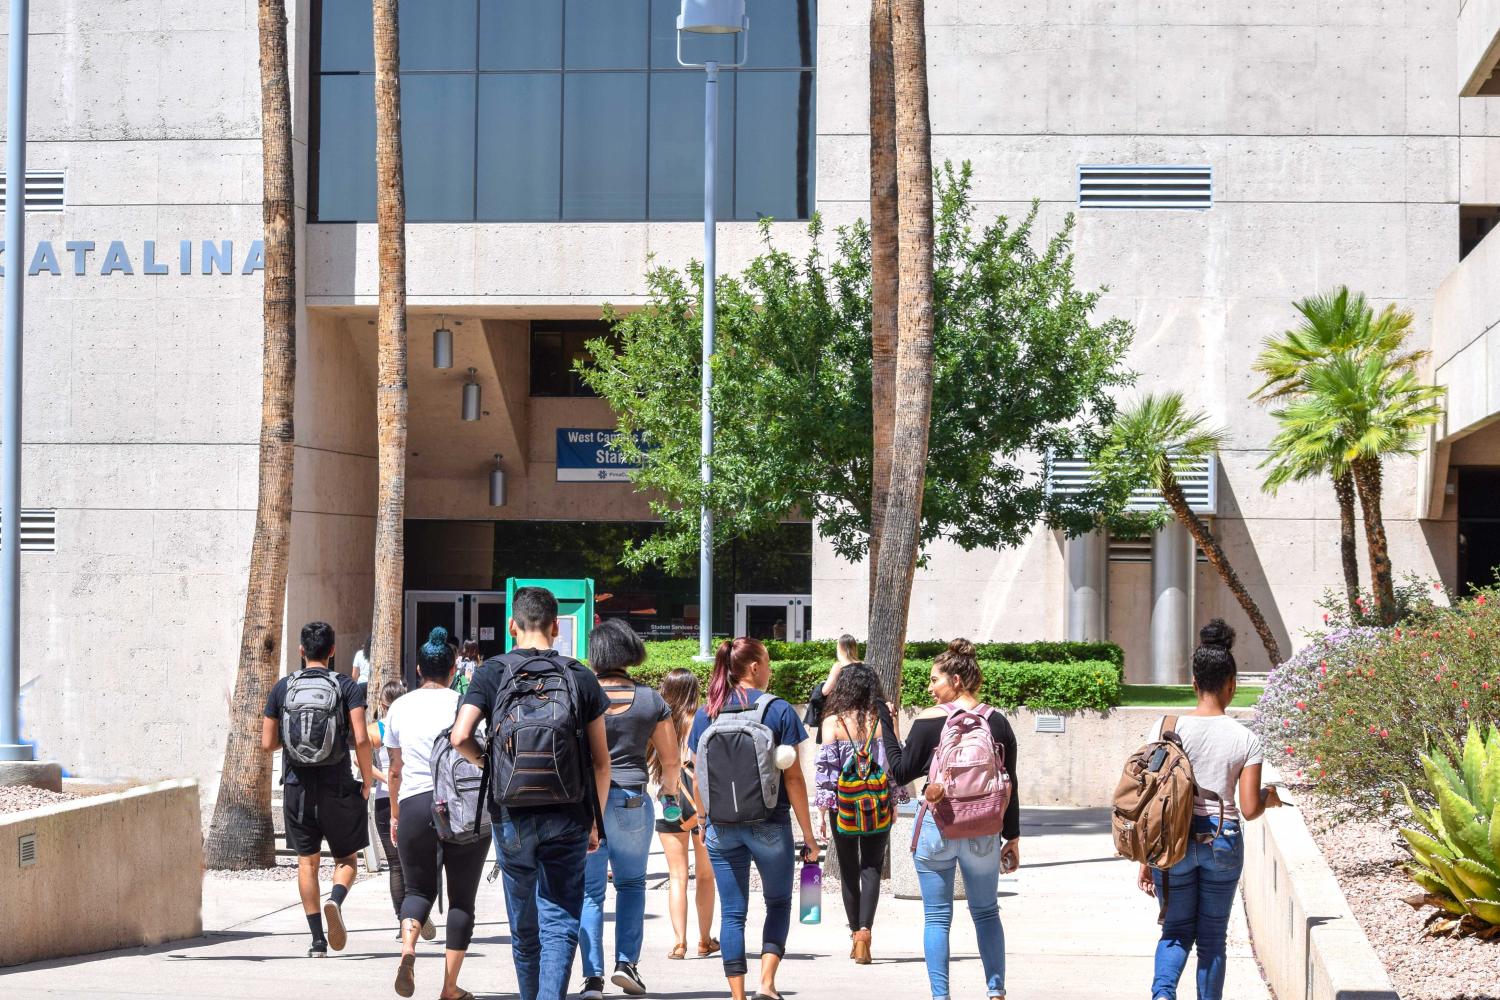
[637, 720]
[468, 662]
[548, 786]
[961, 722]
[682, 839]
[313, 715]
[744, 743]
[855, 794]
[845, 653]
[414, 723]
[1199, 890]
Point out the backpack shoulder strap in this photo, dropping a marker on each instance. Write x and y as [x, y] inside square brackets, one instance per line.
[1168, 725]
[762, 702]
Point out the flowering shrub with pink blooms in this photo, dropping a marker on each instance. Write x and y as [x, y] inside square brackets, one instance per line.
[1352, 712]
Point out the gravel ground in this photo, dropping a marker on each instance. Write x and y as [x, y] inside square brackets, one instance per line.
[18, 798]
[1367, 862]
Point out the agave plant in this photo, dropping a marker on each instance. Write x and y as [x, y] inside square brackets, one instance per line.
[1456, 851]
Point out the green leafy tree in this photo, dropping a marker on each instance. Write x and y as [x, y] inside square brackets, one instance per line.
[1019, 370]
[1150, 443]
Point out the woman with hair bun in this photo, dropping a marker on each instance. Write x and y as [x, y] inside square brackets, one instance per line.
[412, 725]
[1226, 758]
[954, 684]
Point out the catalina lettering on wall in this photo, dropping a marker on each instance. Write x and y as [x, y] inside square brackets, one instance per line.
[590, 455]
[80, 257]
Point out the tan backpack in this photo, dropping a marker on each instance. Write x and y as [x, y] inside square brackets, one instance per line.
[1153, 803]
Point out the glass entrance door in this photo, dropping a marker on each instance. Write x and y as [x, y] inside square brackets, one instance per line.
[425, 610]
[785, 617]
[486, 623]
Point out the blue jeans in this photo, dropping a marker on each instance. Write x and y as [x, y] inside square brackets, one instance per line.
[627, 845]
[979, 859]
[731, 849]
[1199, 899]
[542, 858]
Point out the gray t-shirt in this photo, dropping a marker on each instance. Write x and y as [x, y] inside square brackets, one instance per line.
[629, 730]
[1219, 748]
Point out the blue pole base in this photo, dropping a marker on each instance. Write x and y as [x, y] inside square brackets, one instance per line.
[17, 751]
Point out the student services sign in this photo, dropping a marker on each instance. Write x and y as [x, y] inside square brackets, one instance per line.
[592, 455]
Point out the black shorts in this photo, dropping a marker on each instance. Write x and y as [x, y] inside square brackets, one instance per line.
[329, 808]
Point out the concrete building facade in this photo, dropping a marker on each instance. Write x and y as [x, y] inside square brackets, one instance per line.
[1347, 143]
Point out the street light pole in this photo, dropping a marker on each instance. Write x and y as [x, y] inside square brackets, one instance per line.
[11, 747]
[709, 17]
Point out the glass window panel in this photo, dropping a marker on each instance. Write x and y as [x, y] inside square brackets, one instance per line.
[783, 33]
[774, 154]
[346, 149]
[677, 146]
[520, 34]
[437, 146]
[604, 146]
[605, 34]
[548, 360]
[696, 48]
[347, 42]
[519, 154]
[438, 34]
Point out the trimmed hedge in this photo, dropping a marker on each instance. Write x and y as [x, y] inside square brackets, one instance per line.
[680, 652]
[1051, 686]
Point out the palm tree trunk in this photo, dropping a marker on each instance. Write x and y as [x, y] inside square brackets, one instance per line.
[390, 393]
[1343, 488]
[884, 269]
[240, 834]
[903, 515]
[1171, 491]
[1367, 480]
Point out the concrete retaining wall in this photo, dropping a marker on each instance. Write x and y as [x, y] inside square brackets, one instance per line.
[111, 871]
[1306, 938]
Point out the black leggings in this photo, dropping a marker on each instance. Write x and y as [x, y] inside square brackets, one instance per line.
[392, 856]
[860, 860]
[418, 842]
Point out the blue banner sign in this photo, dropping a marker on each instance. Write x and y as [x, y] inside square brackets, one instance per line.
[591, 455]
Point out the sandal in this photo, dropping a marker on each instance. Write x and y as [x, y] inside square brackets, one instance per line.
[406, 978]
[707, 948]
[678, 952]
[462, 995]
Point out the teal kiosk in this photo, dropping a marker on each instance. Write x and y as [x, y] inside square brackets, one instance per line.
[575, 613]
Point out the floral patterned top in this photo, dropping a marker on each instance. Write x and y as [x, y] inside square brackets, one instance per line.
[831, 759]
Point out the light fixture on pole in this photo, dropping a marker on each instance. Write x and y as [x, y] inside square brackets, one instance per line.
[709, 17]
[497, 484]
[442, 346]
[471, 396]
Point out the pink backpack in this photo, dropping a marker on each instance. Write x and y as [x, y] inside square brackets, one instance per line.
[970, 766]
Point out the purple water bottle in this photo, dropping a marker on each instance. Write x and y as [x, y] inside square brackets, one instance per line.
[812, 893]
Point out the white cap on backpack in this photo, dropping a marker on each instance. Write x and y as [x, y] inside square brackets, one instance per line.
[785, 756]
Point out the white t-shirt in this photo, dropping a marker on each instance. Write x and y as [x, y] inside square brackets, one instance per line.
[382, 758]
[412, 723]
[1219, 748]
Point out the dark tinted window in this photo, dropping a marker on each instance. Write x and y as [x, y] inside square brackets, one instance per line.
[520, 34]
[520, 180]
[555, 347]
[437, 145]
[346, 182]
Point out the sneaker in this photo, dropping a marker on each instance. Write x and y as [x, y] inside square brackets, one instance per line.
[428, 930]
[334, 918]
[628, 979]
[593, 988]
[319, 949]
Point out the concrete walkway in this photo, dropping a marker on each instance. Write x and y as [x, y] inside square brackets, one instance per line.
[1075, 927]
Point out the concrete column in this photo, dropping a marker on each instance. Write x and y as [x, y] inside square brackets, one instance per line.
[1172, 565]
[1087, 558]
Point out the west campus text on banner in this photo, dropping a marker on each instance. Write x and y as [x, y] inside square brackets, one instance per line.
[590, 455]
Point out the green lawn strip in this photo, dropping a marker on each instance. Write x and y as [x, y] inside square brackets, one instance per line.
[1178, 696]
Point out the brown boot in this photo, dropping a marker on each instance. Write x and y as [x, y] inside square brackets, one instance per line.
[862, 946]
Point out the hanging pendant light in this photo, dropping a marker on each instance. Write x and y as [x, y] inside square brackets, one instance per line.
[497, 485]
[471, 396]
[442, 346]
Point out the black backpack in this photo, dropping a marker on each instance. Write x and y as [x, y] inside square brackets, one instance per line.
[313, 722]
[536, 736]
[459, 788]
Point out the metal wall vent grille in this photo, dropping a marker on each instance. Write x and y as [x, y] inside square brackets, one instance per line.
[44, 191]
[27, 849]
[1051, 724]
[38, 531]
[1138, 550]
[1198, 477]
[1133, 186]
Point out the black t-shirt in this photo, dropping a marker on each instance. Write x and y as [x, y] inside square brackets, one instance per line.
[353, 694]
[912, 761]
[592, 703]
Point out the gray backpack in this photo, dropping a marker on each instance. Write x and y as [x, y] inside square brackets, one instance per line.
[459, 790]
[738, 779]
[312, 719]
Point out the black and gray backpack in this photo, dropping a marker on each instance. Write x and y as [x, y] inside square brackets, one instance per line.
[459, 787]
[536, 735]
[313, 721]
[738, 779]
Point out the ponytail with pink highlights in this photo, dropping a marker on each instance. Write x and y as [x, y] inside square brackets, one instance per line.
[732, 663]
